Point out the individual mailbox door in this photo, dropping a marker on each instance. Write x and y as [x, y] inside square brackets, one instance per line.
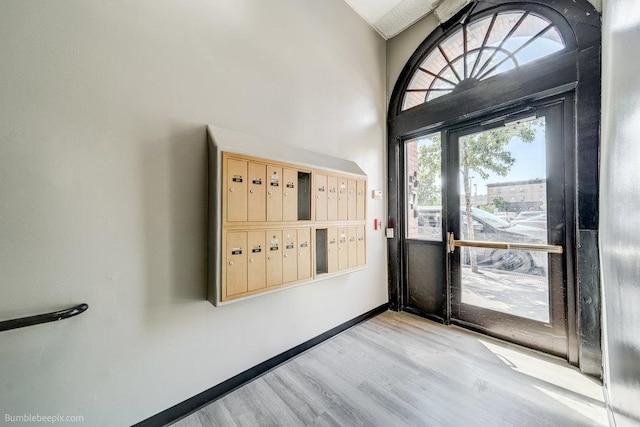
[332, 250]
[332, 198]
[274, 193]
[352, 200]
[362, 245]
[342, 199]
[290, 256]
[290, 195]
[360, 199]
[256, 268]
[321, 197]
[304, 253]
[343, 249]
[353, 247]
[257, 197]
[236, 263]
[274, 257]
[236, 190]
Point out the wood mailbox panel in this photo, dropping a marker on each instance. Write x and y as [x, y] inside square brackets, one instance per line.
[236, 179]
[352, 247]
[256, 268]
[274, 257]
[257, 196]
[352, 202]
[343, 249]
[290, 256]
[304, 253]
[332, 198]
[342, 199]
[236, 263]
[332, 250]
[274, 193]
[361, 199]
[289, 194]
[361, 246]
[320, 184]
[258, 254]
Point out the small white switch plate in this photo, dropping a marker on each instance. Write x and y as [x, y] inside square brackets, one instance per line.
[376, 194]
[389, 233]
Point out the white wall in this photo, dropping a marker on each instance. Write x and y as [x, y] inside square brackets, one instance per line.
[619, 207]
[103, 107]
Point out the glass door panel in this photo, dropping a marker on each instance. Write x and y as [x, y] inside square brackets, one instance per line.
[503, 199]
[505, 210]
[423, 167]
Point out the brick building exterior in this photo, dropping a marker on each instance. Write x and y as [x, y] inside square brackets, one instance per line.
[519, 196]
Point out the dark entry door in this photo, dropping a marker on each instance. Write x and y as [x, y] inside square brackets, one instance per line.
[486, 231]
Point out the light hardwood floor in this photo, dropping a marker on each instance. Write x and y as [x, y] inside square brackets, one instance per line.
[398, 369]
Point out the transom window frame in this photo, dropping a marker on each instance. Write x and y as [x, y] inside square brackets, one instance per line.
[442, 33]
[485, 47]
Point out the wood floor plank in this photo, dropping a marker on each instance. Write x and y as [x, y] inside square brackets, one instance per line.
[216, 414]
[301, 404]
[192, 420]
[324, 420]
[338, 395]
[399, 369]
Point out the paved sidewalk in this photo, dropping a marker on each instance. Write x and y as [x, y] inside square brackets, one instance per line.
[524, 295]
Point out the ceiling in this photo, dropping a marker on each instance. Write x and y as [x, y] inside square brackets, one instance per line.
[391, 17]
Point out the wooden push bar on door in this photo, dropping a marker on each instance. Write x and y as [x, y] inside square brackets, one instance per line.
[452, 244]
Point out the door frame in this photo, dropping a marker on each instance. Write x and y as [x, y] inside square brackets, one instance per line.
[576, 70]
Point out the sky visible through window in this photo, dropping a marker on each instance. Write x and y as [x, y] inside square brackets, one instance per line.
[530, 160]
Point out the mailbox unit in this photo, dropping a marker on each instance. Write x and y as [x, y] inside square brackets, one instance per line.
[280, 221]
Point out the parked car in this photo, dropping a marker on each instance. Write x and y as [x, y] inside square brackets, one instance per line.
[507, 216]
[488, 227]
[428, 217]
[537, 219]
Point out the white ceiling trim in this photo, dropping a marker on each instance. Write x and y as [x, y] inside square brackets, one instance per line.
[403, 15]
[391, 17]
[449, 8]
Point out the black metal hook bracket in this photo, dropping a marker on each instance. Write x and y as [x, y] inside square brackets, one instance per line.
[22, 322]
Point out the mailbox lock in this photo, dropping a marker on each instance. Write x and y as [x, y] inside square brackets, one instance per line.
[232, 189]
[251, 191]
[230, 262]
[251, 260]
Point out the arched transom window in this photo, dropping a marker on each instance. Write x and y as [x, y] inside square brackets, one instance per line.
[479, 50]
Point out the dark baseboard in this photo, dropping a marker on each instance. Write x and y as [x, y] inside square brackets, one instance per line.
[189, 406]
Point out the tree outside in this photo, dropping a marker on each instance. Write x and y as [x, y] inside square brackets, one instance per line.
[483, 153]
[429, 168]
